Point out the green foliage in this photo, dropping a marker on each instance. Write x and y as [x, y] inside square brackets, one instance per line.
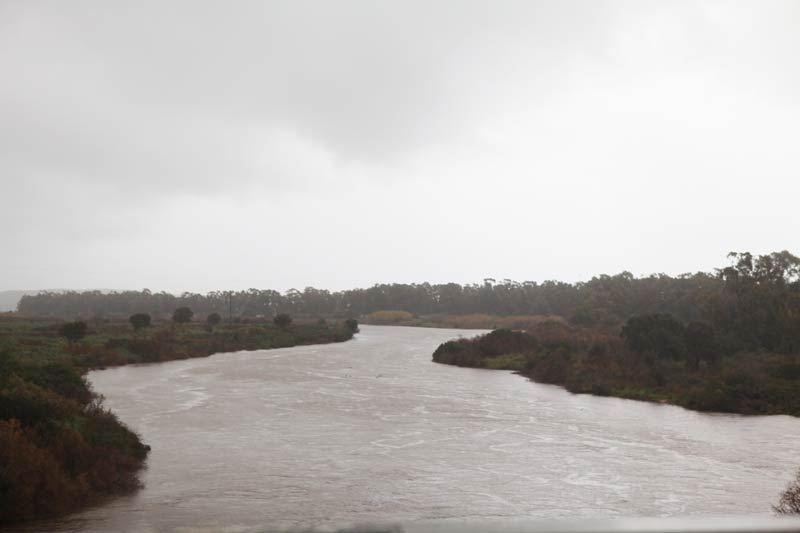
[351, 324]
[657, 333]
[462, 352]
[31, 404]
[74, 331]
[282, 320]
[760, 301]
[701, 344]
[506, 362]
[182, 315]
[140, 321]
[213, 319]
[101, 428]
[501, 349]
[505, 341]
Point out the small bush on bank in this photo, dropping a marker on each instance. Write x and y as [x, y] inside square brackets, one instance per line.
[789, 503]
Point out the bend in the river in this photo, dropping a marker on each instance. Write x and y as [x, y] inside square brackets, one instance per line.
[372, 429]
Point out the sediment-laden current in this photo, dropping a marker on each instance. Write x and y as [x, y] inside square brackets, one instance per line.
[372, 430]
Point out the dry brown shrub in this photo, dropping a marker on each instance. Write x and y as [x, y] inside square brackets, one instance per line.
[387, 317]
[486, 321]
[471, 321]
[32, 484]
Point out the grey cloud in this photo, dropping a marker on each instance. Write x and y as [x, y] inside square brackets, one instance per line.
[184, 127]
[116, 82]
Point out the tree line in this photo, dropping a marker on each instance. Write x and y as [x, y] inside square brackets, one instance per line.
[603, 299]
[755, 297]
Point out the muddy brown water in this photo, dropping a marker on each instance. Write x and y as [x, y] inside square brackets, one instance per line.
[372, 430]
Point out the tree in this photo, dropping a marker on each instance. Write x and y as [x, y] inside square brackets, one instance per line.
[182, 315]
[282, 320]
[700, 343]
[213, 319]
[351, 324]
[73, 331]
[790, 499]
[760, 300]
[658, 333]
[139, 321]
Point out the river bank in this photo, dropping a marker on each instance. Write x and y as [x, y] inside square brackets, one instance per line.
[600, 364]
[372, 431]
[61, 449]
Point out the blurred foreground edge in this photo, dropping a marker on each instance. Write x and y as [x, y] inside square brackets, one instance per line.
[624, 525]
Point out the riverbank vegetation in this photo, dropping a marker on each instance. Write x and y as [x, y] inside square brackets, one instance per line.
[60, 450]
[789, 503]
[740, 353]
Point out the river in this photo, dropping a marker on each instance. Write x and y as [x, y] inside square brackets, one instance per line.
[372, 430]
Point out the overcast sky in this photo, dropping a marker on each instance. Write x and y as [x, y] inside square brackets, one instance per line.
[214, 145]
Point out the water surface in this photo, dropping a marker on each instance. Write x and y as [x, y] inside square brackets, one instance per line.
[372, 430]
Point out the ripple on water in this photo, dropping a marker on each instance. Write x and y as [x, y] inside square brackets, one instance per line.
[373, 430]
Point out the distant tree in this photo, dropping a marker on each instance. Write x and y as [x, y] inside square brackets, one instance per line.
[790, 499]
[139, 321]
[282, 320]
[659, 333]
[701, 343]
[182, 315]
[351, 324]
[213, 319]
[73, 331]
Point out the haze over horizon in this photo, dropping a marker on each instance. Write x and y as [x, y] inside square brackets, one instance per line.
[197, 146]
